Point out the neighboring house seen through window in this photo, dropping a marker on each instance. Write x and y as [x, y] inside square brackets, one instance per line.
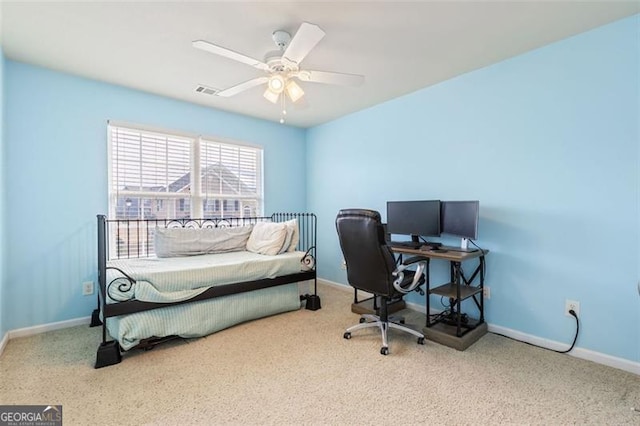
[160, 175]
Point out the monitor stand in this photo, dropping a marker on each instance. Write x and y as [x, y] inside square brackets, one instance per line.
[464, 247]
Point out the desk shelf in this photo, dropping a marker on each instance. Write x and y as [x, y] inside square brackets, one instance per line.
[449, 290]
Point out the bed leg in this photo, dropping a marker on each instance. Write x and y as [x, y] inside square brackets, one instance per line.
[313, 301]
[95, 318]
[108, 354]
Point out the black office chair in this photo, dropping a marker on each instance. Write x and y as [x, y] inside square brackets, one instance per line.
[371, 267]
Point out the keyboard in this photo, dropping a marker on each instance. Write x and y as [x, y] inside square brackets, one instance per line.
[404, 244]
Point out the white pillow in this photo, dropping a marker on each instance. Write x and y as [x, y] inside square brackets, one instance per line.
[267, 238]
[287, 240]
[173, 242]
[295, 236]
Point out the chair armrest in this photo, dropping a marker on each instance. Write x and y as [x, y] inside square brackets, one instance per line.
[399, 274]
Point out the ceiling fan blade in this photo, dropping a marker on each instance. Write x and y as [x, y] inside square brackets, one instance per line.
[307, 36]
[326, 77]
[230, 54]
[234, 90]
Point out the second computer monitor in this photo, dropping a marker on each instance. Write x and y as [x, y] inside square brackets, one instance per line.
[415, 218]
[460, 218]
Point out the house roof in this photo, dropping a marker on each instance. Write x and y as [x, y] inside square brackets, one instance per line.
[216, 174]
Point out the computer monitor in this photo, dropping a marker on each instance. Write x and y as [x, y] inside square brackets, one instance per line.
[460, 218]
[415, 218]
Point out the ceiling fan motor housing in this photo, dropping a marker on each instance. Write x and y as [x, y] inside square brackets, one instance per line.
[281, 38]
[274, 58]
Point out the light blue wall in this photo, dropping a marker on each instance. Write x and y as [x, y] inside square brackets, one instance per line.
[56, 158]
[3, 308]
[548, 142]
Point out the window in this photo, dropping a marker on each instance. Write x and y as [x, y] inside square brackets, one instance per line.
[160, 175]
[231, 173]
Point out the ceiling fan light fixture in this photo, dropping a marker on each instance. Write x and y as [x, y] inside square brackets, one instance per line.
[276, 83]
[271, 96]
[294, 91]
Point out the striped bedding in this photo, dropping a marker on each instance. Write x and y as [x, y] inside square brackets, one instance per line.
[175, 279]
[180, 278]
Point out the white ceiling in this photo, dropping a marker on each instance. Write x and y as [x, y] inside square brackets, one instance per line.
[399, 47]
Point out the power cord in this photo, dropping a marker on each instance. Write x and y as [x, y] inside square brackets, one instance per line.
[484, 264]
[572, 312]
[474, 243]
[444, 313]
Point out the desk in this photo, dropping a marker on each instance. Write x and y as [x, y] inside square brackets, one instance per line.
[455, 329]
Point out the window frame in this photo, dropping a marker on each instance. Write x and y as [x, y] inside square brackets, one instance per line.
[195, 195]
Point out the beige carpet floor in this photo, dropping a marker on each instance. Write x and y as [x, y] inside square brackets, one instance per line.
[296, 368]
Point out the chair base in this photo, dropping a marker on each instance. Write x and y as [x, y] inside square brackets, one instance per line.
[376, 321]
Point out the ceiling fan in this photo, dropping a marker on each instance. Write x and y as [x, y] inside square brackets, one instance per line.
[282, 66]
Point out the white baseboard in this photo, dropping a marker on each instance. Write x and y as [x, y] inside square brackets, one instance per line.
[597, 357]
[3, 342]
[37, 329]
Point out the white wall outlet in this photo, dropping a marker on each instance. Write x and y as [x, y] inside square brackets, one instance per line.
[343, 265]
[87, 288]
[486, 292]
[571, 305]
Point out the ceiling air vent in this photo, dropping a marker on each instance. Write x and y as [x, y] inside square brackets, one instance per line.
[206, 90]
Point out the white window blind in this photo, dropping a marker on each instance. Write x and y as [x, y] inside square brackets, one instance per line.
[149, 162]
[159, 175]
[231, 174]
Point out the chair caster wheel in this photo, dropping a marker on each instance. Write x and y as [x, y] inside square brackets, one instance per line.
[347, 335]
[362, 320]
[421, 340]
[384, 350]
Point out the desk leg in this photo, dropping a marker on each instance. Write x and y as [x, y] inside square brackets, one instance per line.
[428, 302]
[458, 314]
[482, 287]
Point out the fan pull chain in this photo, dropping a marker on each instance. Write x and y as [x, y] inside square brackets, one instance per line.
[284, 108]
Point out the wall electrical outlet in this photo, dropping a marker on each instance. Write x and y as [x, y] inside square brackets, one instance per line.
[343, 265]
[87, 288]
[486, 292]
[571, 305]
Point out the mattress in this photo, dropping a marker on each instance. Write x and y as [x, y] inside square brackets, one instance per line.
[180, 278]
[203, 318]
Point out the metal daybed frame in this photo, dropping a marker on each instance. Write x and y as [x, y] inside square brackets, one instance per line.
[139, 234]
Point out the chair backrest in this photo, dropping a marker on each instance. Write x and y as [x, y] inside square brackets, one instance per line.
[370, 262]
